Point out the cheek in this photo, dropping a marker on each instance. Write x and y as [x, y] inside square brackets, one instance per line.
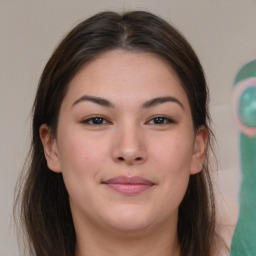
[173, 159]
[173, 154]
[81, 158]
[79, 149]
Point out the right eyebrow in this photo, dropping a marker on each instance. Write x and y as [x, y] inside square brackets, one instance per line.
[97, 100]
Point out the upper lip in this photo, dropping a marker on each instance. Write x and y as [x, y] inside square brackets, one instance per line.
[128, 180]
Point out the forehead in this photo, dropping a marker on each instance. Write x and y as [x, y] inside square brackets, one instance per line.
[121, 74]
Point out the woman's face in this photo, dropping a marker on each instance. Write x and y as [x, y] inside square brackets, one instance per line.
[125, 143]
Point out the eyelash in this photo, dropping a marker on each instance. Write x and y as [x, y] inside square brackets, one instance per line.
[100, 120]
[163, 120]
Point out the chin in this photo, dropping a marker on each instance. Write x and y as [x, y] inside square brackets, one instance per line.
[133, 220]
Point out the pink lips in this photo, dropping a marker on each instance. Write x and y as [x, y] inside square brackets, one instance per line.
[129, 185]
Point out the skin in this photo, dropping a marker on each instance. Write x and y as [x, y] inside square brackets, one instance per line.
[129, 140]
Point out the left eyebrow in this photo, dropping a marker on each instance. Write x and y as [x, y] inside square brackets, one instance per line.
[160, 100]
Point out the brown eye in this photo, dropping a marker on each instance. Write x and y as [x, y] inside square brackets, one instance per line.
[160, 120]
[96, 120]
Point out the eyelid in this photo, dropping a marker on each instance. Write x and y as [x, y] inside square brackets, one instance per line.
[167, 118]
[86, 120]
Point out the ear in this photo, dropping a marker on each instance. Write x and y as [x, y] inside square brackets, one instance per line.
[200, 148]
[50, 148]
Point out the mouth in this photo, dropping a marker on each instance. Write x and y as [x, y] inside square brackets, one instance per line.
[129, 185]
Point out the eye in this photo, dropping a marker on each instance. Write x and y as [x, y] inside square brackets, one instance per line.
[96, 120]
[160, 120]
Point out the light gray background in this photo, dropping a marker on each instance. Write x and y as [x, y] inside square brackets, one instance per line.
[221, 32]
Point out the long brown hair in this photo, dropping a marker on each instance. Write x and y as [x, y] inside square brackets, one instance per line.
[43, 199]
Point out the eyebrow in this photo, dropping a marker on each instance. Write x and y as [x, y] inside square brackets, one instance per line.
[97, 100]
[147, 104]
[160, 100]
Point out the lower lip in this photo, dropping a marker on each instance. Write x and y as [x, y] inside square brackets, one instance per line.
[129, 189]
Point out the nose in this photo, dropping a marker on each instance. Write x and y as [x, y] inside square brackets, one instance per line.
[129, 146]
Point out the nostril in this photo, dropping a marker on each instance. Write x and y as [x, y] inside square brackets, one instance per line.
[122, 159]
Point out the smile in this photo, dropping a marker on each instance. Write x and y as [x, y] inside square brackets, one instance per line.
[129, 185]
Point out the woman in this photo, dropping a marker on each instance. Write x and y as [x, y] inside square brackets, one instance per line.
[119, 155]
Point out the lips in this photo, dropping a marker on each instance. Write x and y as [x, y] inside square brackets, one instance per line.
[129, 185]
